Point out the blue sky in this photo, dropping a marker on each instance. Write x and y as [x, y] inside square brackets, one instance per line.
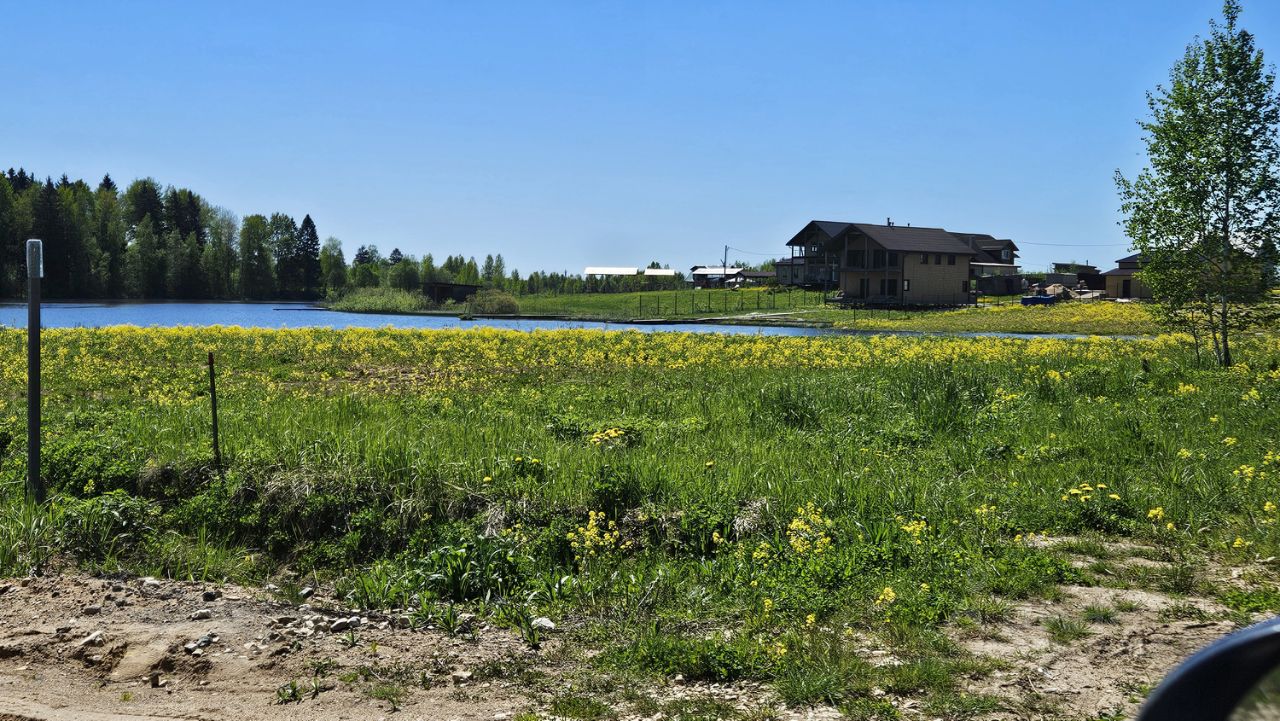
[608, 133]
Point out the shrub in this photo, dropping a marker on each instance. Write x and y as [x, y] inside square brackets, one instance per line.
[495, 302]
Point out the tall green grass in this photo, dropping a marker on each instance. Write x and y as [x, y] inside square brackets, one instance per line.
[421, 471]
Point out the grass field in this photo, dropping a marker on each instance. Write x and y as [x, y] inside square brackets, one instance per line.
[718, 507]
[1079, 317]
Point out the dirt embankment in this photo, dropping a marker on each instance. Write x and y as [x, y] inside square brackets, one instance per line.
[76, 647]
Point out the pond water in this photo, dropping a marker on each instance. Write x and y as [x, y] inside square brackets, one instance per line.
[305, 315]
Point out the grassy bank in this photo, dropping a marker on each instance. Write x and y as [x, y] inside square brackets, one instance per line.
[702, 303]
[381, 300]
[718, 507]
[1093, 317]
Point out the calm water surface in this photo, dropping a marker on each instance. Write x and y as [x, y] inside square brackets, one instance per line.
[305, 315]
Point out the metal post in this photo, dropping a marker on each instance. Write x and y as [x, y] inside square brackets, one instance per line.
[35, 271]
[213, 403]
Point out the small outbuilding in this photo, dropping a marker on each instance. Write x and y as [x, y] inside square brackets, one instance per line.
[1121, 281]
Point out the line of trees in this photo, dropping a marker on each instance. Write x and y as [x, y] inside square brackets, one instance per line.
[154, 242]
[150, 242]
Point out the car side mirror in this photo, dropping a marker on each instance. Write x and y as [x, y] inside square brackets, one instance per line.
[1236, 678]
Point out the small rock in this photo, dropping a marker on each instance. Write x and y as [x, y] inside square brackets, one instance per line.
[210, 595]
[117, 587]
[155, 679]
[93, 639]
[340, 625]
[62, 629]
[93, 610]
[678, 680]
[202, 615]
[24, 582]
[460, 676]
[542, 623]
[307, 592]
[150, 582]
[355, 621]
[95, 658]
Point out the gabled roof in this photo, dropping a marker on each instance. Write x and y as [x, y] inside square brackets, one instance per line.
[1135, 258]
[986, 241]
[714, 270]
[829, 227]
[911, 239]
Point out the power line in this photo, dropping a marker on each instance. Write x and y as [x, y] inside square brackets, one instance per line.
[750, 252]
[1071, 245]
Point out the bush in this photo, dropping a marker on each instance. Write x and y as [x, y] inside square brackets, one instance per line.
[496, 302]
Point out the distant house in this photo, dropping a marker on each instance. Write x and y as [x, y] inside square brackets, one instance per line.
[1075, 274]
[705, 276]
[994, 270]
[1121, 282]
[881, 264]
[443, 292]
[757, 277]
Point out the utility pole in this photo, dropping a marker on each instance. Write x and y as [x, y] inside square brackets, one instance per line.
[724, 269]
[35, 271]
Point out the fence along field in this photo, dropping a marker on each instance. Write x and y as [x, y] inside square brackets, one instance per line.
[721, 507]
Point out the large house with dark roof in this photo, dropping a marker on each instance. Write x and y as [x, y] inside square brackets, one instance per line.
[890, 264]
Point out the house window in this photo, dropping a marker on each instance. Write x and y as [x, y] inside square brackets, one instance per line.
[877, 258]
[937, 259]
[1006, 254]
[951, 260]
[882, 286]
[906, 285]
[856, 258]
[964, 286]
[893, 259]
[924, 258]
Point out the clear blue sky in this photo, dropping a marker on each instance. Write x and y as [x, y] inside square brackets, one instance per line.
[610, 133]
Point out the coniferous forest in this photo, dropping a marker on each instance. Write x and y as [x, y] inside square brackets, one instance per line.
[153, 242]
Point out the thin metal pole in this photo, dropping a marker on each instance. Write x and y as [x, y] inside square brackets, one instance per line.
[213, 402]
[35, 270]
